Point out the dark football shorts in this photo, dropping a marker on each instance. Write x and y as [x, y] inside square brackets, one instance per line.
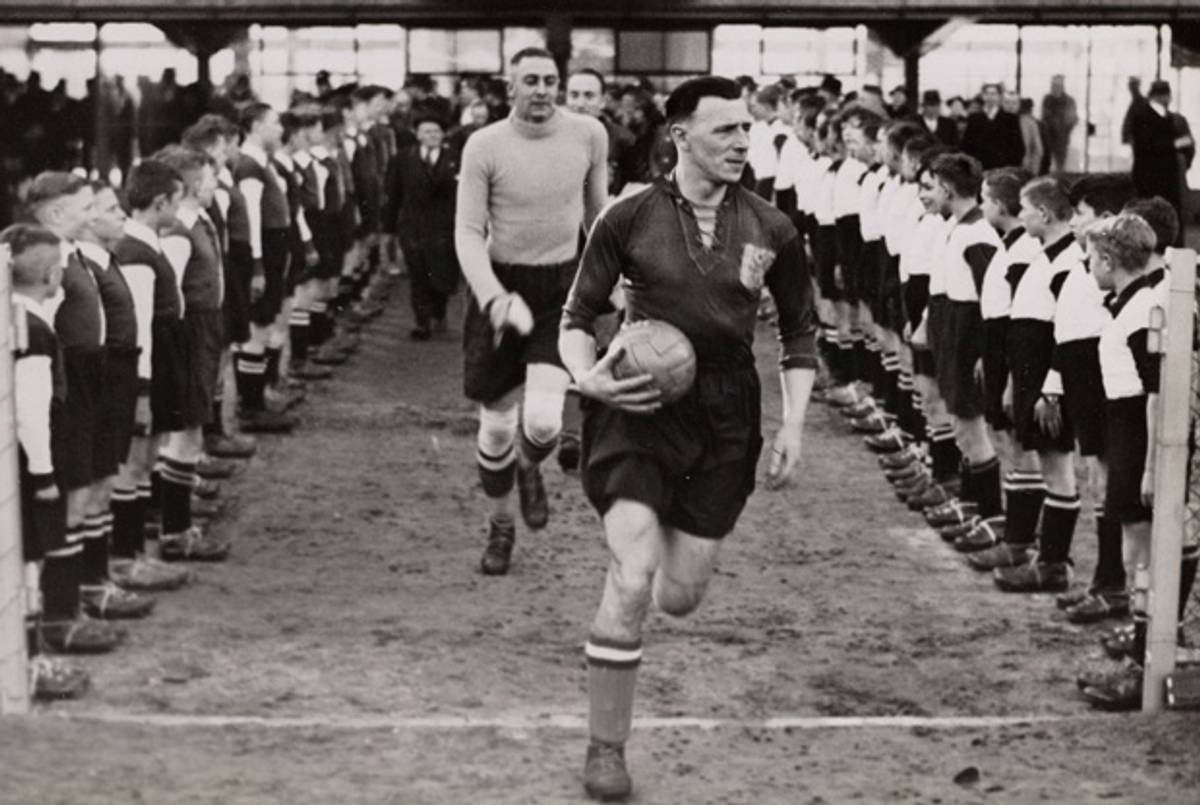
[206, 340]
[73, 440]
[1029, 357]
[489, 370]
[1083, 392]
[826, 254]
[870, 276]
[960, 349]
[239, 269]
[995, 372]
[693, 461]
[276, 256]
[116, 411]
[169, 369]
[849, 250]
[1125, 421]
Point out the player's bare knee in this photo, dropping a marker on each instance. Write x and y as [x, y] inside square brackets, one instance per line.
[676, 598]
[542, 416]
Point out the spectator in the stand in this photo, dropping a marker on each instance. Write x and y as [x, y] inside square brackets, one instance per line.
[1032, 136]
[993, 136]
[495, 93]
[1163, 150]
[830, 90]
[956, 110]
[1137, 101]
[639, 114]
[942, 128]
[476, 117]
[324, 87]
[1059, 118]
[898, 102]
[424, 95]
[871, 99]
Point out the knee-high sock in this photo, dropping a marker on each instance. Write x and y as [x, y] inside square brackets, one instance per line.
[1059, 514]
[129, 521]
[61, 574]
[612, 680]
[1110, 564]
[985, 486]
[496, 450]
[179, 478]
[945, 453]
[251, 370]
[298, 331]
[97, 532]
[1024, 494]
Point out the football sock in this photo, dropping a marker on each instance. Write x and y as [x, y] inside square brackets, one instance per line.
[612, 679]
[1024, 494]
[1059, 514]
[1110, 564]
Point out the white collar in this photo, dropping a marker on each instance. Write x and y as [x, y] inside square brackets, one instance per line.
[319, 152]
[225, 175]
[302, 158]
[32, 306]
[187, 216]
[1158, 107]
[96, 253]
[285, 160]
[256, 153]
[136, 229]
[68, 248]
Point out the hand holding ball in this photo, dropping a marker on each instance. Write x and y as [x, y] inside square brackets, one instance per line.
[661, 350]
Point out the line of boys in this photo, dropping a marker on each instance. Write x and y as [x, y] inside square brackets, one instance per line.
[231, 254]
[966, 302]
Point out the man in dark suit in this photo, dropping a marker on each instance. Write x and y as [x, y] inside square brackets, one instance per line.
[1163, 149]
[938, 126]
[422, 185]
[993, 136]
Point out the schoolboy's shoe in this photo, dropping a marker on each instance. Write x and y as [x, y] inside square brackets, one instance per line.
[110, 602]
[1034, 577]
[605, 776]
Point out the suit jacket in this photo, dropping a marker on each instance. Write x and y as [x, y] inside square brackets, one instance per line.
[420, 210]
[996, 143]
[1158, 169]
[945, 132]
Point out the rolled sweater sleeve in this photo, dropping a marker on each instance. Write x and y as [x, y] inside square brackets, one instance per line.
[470, 225]
[790, 286]
[34, 390]
[140, 279]
[252, 189]
[595, 188]
[599, 272]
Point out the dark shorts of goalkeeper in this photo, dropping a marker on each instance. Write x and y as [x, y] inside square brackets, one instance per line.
[693, 462]
[491, 369]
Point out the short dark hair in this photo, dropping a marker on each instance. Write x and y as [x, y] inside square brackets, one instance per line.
[684, 99]
[1106, 193]
[899, 134]
[769, 95]
[996, 85]
[331, 118]
[1162, 218]
[148, 180]
[52, 185]
[252, 113]
[927, 157]
[181, 159]
[367, 93]
[1004, 185]
[1049, 193]
[21, 238]
[864, 119]
[530, 53]
[915, 145]
[961, 172]
[205, 131]
[594, 74]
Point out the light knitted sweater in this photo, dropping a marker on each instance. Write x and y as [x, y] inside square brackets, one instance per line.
[524, 192]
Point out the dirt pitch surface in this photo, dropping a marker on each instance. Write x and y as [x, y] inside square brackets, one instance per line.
[350, 651]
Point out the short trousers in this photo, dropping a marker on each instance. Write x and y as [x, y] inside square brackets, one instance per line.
[1125, 423]
[870, 275]
[116, 411]
[1029, 358]
[693, 462]
[170, 367]
[935, 324]
[961, 340]
[298, 271]
[490, 371]
[1083, 392]
[915, 298]
[889, 306]
[239, 269]
[206, 342]
[995, 372]
[328, 242]
[849, 248]
[73, 442]
[825, 251]
[43, 523]
[275, 266]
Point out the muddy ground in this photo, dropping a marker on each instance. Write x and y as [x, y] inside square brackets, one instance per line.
[353, 601]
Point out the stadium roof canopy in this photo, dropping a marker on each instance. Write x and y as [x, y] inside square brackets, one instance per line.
[629, 13]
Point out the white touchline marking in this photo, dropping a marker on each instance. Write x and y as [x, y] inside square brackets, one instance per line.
[568, 721]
